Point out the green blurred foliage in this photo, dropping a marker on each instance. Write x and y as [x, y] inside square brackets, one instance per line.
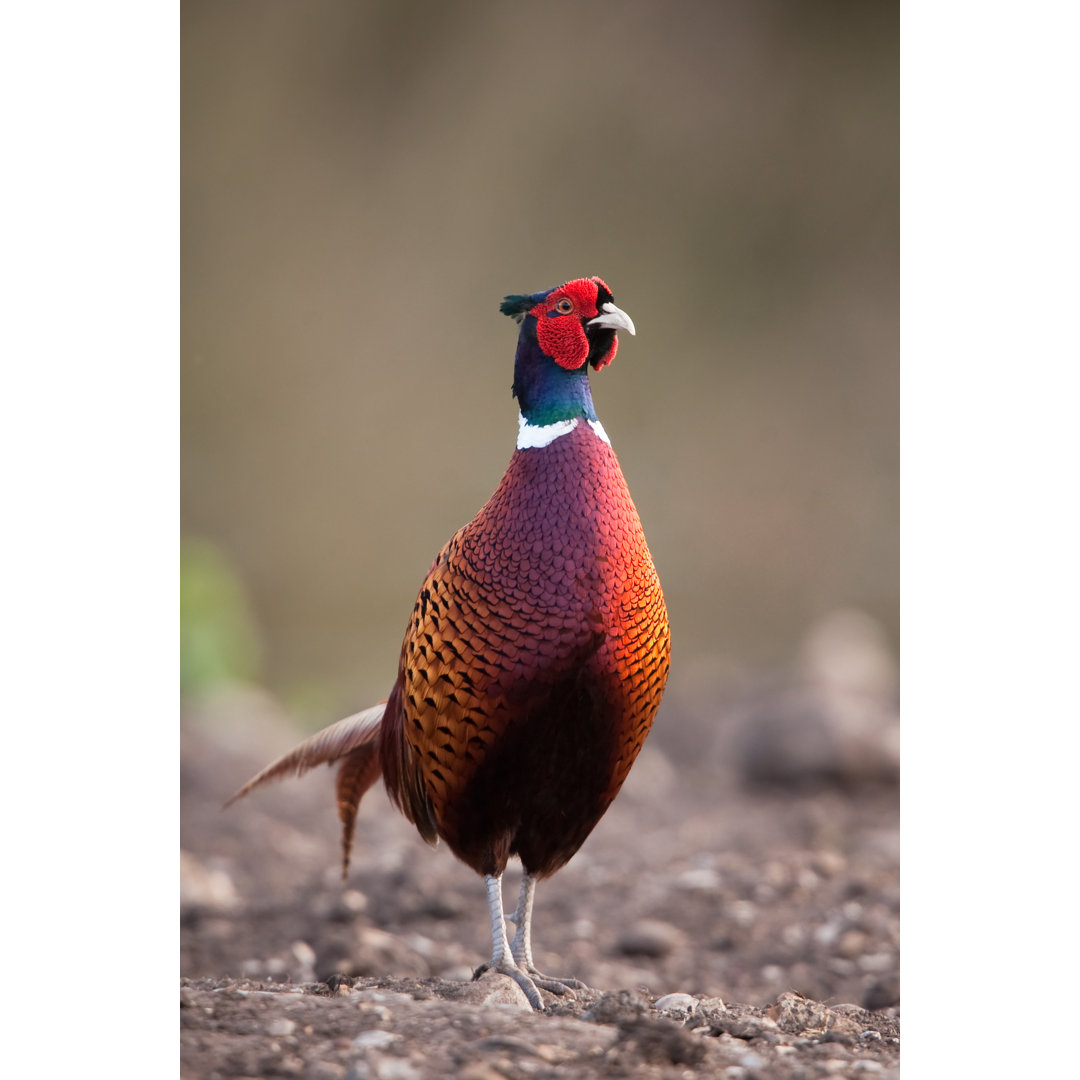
[218, 638]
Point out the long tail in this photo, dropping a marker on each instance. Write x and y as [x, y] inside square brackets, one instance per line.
[352, 741]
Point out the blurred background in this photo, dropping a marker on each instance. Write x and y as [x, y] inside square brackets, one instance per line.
[363, 181]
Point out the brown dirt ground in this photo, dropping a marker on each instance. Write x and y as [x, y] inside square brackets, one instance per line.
[772, 913]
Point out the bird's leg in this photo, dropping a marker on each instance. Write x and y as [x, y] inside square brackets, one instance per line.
[521, 946]
[502, 959]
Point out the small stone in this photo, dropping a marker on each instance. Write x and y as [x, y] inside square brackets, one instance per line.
[377, 950]
[378, 996]
[883, 993]
[743, 913]
[676, 1003]
[877, 962]
[304, 954]
[515, 1046]
[614, 1007]
[479, 1070]
[852, 944]
[280, 1027]
[492, 988]
[289, 1065]
[793, 935]
[650, 937]
[390, 1068]
[795, 1014]
[703, 879]
[741, 1027]
[375, 1039]
[208, 888]
[662, 1042]
[830, 863]
[324, 1070]
[828, 933]
[353, 900]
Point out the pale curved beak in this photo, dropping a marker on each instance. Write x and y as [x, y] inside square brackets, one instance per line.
[613, 317]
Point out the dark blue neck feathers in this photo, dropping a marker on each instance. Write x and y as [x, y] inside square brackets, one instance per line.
[546, 392]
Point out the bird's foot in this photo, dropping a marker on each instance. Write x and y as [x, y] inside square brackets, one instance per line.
[530, 980]
[529, 986]
[555, 985]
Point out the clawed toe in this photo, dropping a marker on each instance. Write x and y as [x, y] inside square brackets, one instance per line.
[556, 985]
[522, 978]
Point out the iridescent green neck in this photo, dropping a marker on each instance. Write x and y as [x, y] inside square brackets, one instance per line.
[546, 392]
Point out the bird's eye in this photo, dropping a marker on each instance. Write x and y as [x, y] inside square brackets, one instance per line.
[564, 306]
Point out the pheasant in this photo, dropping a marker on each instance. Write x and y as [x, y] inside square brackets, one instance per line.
[537, 651]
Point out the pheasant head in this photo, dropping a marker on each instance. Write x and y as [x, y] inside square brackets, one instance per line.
[564, 331]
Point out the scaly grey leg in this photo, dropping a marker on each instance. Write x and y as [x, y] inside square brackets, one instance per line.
[521, 946]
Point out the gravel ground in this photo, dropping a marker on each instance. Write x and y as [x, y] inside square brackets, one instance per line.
[729, 928]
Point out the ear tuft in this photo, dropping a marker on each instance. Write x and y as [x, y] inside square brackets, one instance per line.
[517, 306]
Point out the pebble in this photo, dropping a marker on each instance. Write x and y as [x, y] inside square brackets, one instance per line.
[852, 944]
[479, 1070]
[353, 900]
[375, 1039]
[383, 997]
[392, 1068]
[793, 935]
[281, 1026]
[883, 993]
[494, 989]
[324, 1070]
[304, 954]
[676, 1003]
[517, 1047]
[650, 937]
[744, 1027]
[830, 863]
[743, 913]
[205, 887]
[828, 933]
[877, 962]
[615, 1006]
[796, 1014]
[702, 878]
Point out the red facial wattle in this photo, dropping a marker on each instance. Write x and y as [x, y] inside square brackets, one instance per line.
[561, 319]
